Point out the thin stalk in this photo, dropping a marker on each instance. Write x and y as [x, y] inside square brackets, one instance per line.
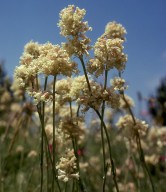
[47, 166]
[113, 169]
[105, 129]
[138, 141]
[102, 135]
[42, 149]
[45, 83]
[75, 147]
[42, 136]
[73, 185]
[66, 187]
[71, 112]
[49, 153]
[29, 179]
[16, 131]
[54, 82]
[85, 73]
[37, 82]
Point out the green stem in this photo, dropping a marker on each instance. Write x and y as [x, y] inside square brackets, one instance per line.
[75, 147]
[73, 185]
[71, 112]
[42, 136]
[85, 73]
[47, 166]
[48, 149]
[54, 82]
[37, 83]
[102, 135]
[66, 187]
[110, 151]
[102, 122]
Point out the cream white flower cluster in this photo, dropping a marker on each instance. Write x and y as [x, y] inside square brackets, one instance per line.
[76, 89]
[108, 51]
[60, 137]
[115, 30]
[129, 100]
[119, 84]
[74, 28]
[25, 75]
[26, 72]
[31, 52]
[47, 59]
[158, 136]
[71, 21]
[67, 167]
[73, 127]
[128, 127]
[40, 95]
[19, 92]
[54, 60]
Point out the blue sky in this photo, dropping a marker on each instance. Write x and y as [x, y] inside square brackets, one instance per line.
[144, 20]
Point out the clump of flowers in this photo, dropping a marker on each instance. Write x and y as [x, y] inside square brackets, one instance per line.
[67, 167]
[127, 124]
[129, 100]
[74, 28]
[115, 30]
[108, 51]
[55, 60]
[119, 84]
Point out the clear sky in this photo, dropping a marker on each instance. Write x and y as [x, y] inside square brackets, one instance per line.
[144, 20]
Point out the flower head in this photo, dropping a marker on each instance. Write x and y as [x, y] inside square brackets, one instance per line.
[55, 60]
[74, 28]
[115, 30]
[67, 167]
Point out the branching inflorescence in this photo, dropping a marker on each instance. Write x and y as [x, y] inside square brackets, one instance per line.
[63, 101]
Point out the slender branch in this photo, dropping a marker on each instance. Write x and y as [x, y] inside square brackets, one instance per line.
[48, 149]
[85, 73]
[54, 82]
[102, 135]
[102, 122]
[110, 151]
[42, 132]
[75, 147]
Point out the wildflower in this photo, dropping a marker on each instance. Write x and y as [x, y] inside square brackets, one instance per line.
[129, 100]
[5, 97]
[152, 159]
[72, 127]
[31, 52]
[115, 30]
[59, 135]
[25, 75]
[112, 99]
[127, 125]
[108, 55]
[158, 136]
[19, 149]
[55, 60]
[32, 154]
[63, 87]
[71, 21]
[108, 51]
[118, 84]
[19, 92]
[67, 167]
[74, 28]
